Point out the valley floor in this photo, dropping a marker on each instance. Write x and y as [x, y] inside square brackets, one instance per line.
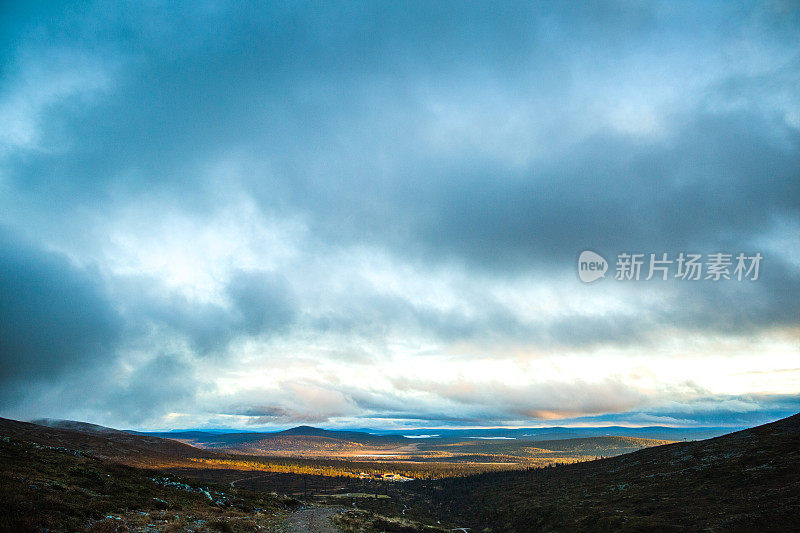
[62, 480]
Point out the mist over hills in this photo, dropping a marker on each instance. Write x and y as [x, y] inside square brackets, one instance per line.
[84, 427]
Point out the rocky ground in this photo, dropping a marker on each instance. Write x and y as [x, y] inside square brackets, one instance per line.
[311, 520]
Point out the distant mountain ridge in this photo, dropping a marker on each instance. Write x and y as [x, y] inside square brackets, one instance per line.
[300, 431]
[545, 433]
[299, 440]
[316, 440]
[310, 431]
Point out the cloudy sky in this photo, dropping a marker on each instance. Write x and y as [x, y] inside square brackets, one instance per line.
[370, 214]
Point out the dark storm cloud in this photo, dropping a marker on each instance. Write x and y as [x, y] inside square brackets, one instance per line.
[499, 140]
[151, 389]
[325, 117]
[722, 181]
[119, 393]
[318, 100]
[61, 339]
[741, 308]
[55, 319]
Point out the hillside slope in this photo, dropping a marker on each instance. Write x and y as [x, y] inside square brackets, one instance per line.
[746, 481]
[49, 487]
[106, 443]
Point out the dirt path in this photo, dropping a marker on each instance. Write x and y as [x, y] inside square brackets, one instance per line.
[233, 483]
[311, 520]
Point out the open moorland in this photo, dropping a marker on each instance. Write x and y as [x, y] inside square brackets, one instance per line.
[69, 476]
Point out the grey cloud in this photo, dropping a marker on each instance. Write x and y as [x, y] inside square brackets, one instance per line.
[722, 180]
[263, 301]
[302, 401]
[371, 315]
[260, 303]
[55, 319]
[473, 137]
[153, 389]
[541, 400]
[707, 410]
[284, 88]
[733, 308]
[269, 415]
[461, 403]
[741, 308]
[717, 179]
[262, 411]
[62, 339]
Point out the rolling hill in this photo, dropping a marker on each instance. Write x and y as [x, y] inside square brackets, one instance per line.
[101, 442]
[307, 441]
[90, 478]
[743, 481]
[74, 474]
[301, 441]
